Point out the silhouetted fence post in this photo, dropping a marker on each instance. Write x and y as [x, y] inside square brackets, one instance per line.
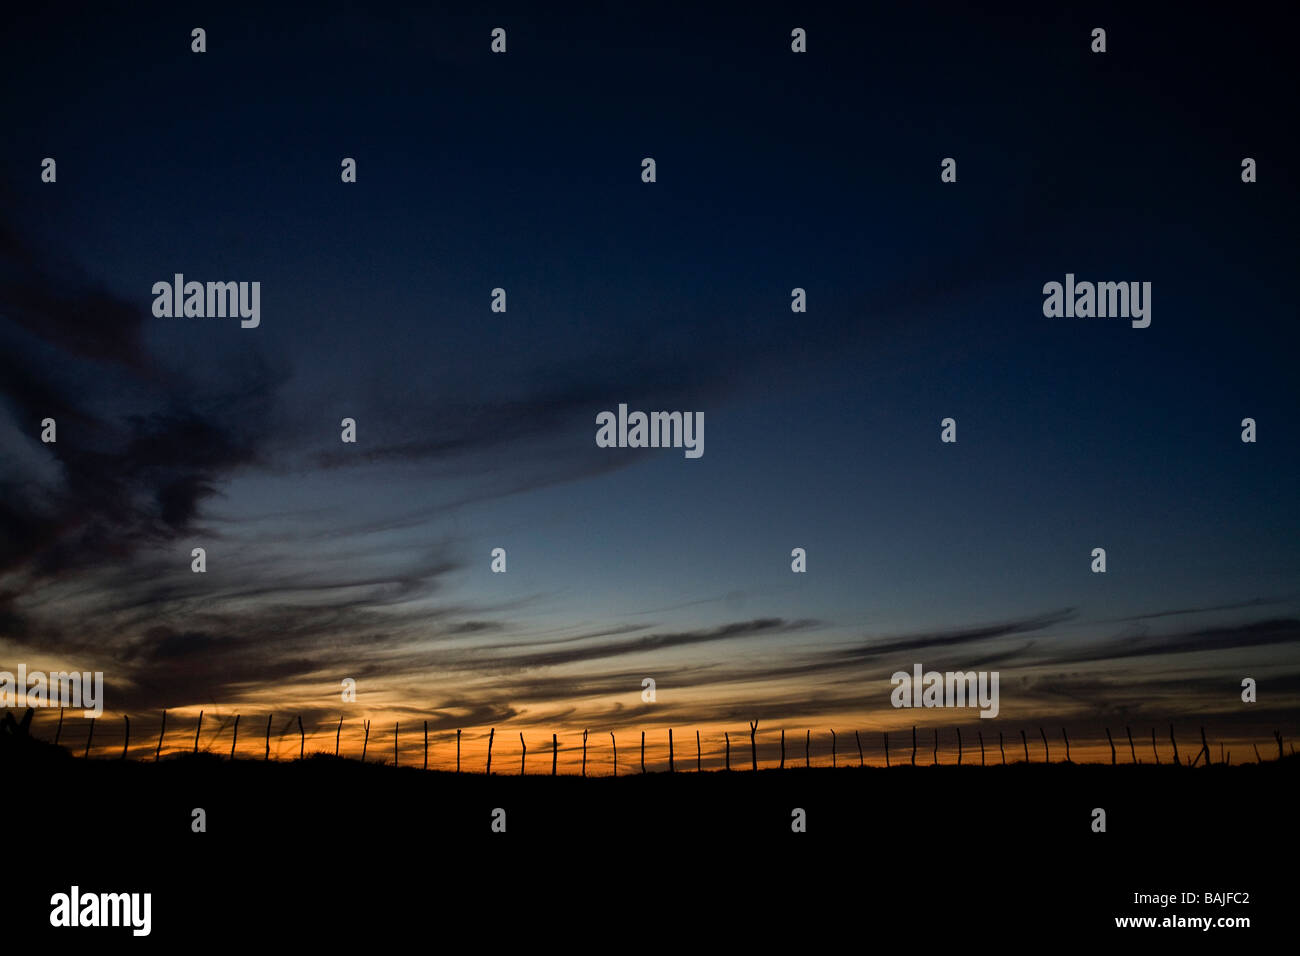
[935, 760]
[807, 749]
[91, 736]
[426, 745]
[1047, 756]
[832, 750]
[728, 738]
[523, 756]
[1067, 744]
[268, 737]
[1131, 749]
[753, 748]
[614, 743]
[1258, 758]
[1112, 747]
[914, 745]
[1025, 740]
[126, 739]
[782, 748]
[555, 751]
[365, 742]
[1153, 746]
[58, 731]
[302, 739]
[162, 730]
[1277, 735]
[458, 750]
[196, 732]
[584, 753]
[491, 737]
[396, 724]
[886, 748]
[338, 732]
[235, 738]
[1205, 747]
[1173, 740]
[959, 746]
[698, 766]
[859, 741]
[670, 750]
[643, 751]
[1002, 749]
[980, 734]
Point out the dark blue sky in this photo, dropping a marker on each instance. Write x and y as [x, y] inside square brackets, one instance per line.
[476, 429]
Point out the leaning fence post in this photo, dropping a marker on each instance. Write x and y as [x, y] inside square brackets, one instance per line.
[980, 734]
[1153, 745]
[157, 753]
[1002, 749]
[936, 747]
[338, 732]
[234, 739]
[491, 737]
[365, 743]
[58, 732]
[1258, 758]
[555, 751]
[196, 732]
[753, 750]
[1112, 747]
[959, 746]
[1025, 740]
[859, 740]
[523, 753]
[268, 737]
[396, 724]
[1174, 741]
[1131, 749]
[584, 753]
[643, 751]
[126, 739]
[1067, 744]
[302, 740]
[614, 743]
[1205, 747]
[91, 736]
[670, 750]
[728, 736]
[1047, 755]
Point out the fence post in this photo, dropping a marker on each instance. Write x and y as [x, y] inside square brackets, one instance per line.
[959, 746]
[58, 732]
[807, 747]
[1002, 749]
[1205, 746]
[614, 743]
[859, 740]
[1025, 740]
[1047, 755]
[980, 733]
[157, 753]
[126, 739]
[753, 748]
[426, 745]
[698, 768]
[1258, 758]
[832, 750]
[886, 748]
[458, 750]
[302, 740]
[1112, 747]
[935, 761]
[584, 753]
[235, 739]
[491, 736]
[1067, 744]
[339, 732]
[782, 748]
[555, 751]
[670, 750]
[914, 745]
[365, 743]
[643, 751]
[1131, 749]
[1174, 741]
[728, 736]
[268, 737]
[196, 732]
[1277, 735]
[91, 736]
[396, 724]
[523, 756]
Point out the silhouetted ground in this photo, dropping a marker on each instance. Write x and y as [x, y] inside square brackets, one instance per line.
[337, 847]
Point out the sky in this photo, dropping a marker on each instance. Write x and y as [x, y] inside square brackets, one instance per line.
[476, 429]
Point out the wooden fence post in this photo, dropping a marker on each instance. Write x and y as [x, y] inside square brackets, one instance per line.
[268, 737]
[302, 740]
[753, 748]
[555, 751]
[338, 732]
[426, 745]
[584, 753]
[728, 736]
[643, 751]
[1131, 749]
[91, 736]
[157, 753]
[58, 731]
[670, 750]
[1277, 735]
[1047, 756]
[782, 748]
[396, 724]
[126, 739]
[1174, 741]
[523, 756]
[365, 743]
[492, 736]
[935, 761]
[196, 732]
[698, 766]
[1025, 740]
[1002, 749]
[914, 745]
[614, 743]
[1205, 747]
[980, 733]
[886, 748]
[1067, 744]
[234, 739]
[959, 746]
[807, 748]
[859, 740]
[1112, 747]
[458, 750]
[1258, 758]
